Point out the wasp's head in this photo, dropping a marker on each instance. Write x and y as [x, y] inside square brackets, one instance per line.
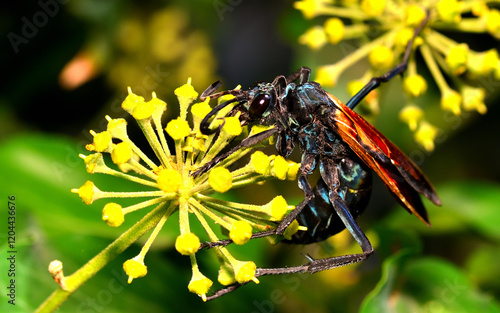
[261, 101]
[253, 104]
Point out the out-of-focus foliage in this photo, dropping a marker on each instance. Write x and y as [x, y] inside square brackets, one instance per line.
[451, 267]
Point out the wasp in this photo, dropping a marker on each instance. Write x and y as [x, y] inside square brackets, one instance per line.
[337, 141]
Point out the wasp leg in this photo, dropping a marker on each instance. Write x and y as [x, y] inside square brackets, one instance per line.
[375, 82]
[302, 75]
[317, 265]
[277, 231]
[280, 84]
[247, 142]
[307, 166]
[329, 175]
[320, 264]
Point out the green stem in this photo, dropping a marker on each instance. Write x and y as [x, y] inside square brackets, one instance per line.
[466, 25]
[141, 154]
[434, 68]
[150, 135]
[363, 51]
[352, 13]
[163, 140]
[87, 271]
[132, 178]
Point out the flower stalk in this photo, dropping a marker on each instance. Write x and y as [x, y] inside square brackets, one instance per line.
[456, 69]
[172, 188]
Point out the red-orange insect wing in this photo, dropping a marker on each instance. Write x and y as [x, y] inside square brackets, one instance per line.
[402, 177]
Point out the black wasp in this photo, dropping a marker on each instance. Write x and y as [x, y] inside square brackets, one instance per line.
[339, 142]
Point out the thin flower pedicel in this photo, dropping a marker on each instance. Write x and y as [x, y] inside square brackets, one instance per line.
[383, 28]
[171, 184]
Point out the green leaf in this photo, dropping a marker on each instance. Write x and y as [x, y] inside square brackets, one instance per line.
[379, 299]
[53, 223]
[468, 204]
[425, 285]
[474, 203]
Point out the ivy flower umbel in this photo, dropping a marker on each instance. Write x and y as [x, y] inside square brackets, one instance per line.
[459, 72]
[170, 185]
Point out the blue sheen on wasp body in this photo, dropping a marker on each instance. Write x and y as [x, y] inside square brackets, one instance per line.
[336, 140]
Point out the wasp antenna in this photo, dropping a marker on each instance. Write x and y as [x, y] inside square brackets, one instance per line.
[210, 90]
[204, 125]
[415, 35]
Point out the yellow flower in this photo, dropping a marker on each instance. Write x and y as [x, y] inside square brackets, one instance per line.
[187, 244]
[425, 135]
[354, 86]
[200, 285]
[457, 58]
[178, 129]
[473, 99]
[87, 192]
[143, 110]
[135, 268]
[411, 115]
[293, 170]
[102, 142]
[131, 101]
[493, 22]
[450, 101]
[226, 275]
[293, 228]
[414, 85]
[260, 162]
[381, 57]
[310, 8]
[232, 126]
[279, 208]
[220, 179]
[483, 63]
[121, 153]
[280, 167]
[314, 38]
[449, 11]
[241, 232]
[199, 111]
[451, 64]
[112, 214]
[335, 30]
[245, 271]
[169, 180]
[414, 15]
[186, 95]
[479, 8]
[172, 187]
[328, 75]
[373, 7]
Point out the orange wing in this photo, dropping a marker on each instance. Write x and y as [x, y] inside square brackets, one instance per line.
[401, 176]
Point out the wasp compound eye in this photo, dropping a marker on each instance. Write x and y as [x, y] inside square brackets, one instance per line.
[259, 105]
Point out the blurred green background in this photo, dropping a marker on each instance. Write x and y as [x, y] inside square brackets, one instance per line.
[67, 64]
